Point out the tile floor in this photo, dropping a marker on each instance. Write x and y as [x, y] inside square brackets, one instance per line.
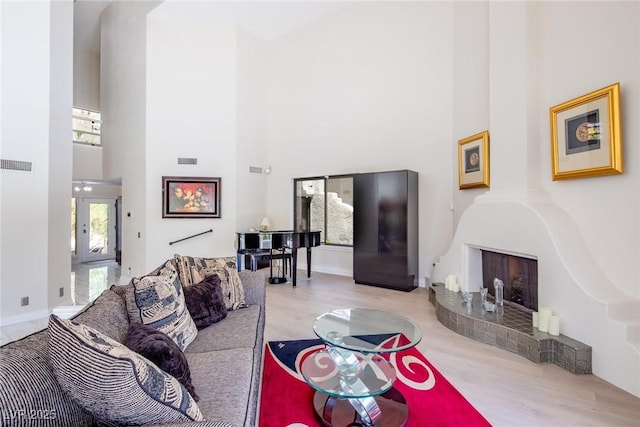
[88, 280]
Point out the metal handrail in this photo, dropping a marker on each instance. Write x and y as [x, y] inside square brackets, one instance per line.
[190, 237]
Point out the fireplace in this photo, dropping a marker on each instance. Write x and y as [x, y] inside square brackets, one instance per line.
[519, 275]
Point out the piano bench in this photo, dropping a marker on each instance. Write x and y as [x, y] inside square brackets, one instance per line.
[260, 259]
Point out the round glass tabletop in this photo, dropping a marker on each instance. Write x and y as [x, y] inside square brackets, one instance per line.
[369, 375]
[367, 330]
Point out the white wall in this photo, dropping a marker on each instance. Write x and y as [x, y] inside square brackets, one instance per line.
[470, 90]
[584, 232]
[367, 88]
[36, 91]
[123, 103]
[60, 152]
[546, 71]
[86, 79]
[191, 112]
[199, 84]
[87, 162]
[606, 209]
[251, 130]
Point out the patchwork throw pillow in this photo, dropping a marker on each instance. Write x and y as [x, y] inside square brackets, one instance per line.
[194, 270]
[162, 351]
[158, 301]
[112, 382]
[205, 301]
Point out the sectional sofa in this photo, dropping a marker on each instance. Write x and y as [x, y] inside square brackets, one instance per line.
[79, 372]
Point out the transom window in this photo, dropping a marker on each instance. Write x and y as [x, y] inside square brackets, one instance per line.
[86, 126]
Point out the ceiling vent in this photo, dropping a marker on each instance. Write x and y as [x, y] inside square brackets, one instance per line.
[187, 161]
[255, 169]
[15, 165]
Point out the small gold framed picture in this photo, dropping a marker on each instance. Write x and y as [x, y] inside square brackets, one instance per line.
[473, 161]
[585, 135]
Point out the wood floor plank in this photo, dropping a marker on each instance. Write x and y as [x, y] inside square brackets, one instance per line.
[507, 389]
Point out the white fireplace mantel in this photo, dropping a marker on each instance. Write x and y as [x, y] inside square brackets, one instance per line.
[591, 308]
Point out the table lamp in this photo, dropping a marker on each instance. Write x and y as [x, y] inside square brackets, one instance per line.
[265, 224]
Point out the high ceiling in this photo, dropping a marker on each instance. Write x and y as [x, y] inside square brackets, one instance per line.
[266, 19]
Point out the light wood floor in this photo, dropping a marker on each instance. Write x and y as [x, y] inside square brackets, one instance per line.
[507, 389]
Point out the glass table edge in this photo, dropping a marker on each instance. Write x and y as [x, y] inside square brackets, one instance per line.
[372, 350]
[369, 393]
[415, 340]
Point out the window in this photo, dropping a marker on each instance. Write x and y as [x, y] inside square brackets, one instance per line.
[86, 126]
[325, 204]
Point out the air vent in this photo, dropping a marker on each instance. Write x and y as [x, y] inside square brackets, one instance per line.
[255, 169]
[15, 165]
[187, 161]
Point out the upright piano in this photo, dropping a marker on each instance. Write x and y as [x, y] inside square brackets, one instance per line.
[278, 240]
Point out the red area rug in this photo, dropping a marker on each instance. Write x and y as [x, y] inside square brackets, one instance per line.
[287, 400]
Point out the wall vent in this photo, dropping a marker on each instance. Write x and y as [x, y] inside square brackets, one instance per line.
[15, 165]
[255, 169]
[187, 161]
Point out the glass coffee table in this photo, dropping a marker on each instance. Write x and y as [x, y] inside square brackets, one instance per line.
[353, 382]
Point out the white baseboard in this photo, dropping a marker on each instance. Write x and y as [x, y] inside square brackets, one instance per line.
[67, 311]
[329, 270]
[347, 273]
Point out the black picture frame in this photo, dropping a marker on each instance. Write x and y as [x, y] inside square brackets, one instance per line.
[190, 197]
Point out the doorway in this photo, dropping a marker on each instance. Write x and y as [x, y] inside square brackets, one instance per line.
[95, 229]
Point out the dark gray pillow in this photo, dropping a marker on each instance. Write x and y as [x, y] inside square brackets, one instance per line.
[205, 301]
[160, 349]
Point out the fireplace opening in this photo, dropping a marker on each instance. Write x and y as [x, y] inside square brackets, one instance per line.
[519, 275]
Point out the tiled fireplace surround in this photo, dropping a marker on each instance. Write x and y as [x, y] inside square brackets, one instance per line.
[509, 327]
[591, 308]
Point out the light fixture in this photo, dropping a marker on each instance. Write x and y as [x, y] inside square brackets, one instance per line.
[265, 224]
[83, 186]
[267, 169]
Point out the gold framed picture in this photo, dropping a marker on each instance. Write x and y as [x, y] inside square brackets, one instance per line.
[585, 135]
[473, 161]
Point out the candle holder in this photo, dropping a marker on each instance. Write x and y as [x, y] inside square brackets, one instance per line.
[468, 299]
[465, 296]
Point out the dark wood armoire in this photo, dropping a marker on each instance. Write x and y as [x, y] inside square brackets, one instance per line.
[385, 229]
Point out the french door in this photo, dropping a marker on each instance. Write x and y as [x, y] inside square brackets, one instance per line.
[95, 229]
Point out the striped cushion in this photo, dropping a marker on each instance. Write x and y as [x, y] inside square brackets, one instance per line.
[111, 381]
[30, 389]
[158, 301]
[194, 270]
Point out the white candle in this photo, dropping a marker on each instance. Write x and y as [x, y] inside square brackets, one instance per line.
[554, 325]
[456, 287]
[544, 314]
[534, 317]
[450, 282]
